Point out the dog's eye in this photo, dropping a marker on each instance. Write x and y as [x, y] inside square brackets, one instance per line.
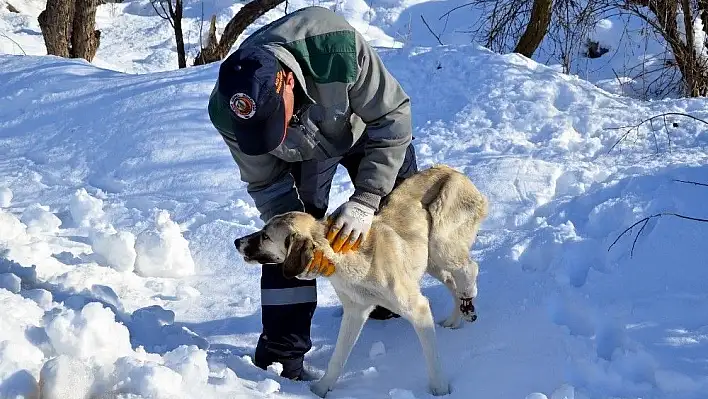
[265, 236]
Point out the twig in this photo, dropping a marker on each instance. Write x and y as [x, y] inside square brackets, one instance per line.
[691, 182]
[431, 31]
[16, 44]
[646, 220]
[201, 26]
[454, 9]
[650, 120]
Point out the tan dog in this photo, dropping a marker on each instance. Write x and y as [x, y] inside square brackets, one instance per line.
[428, 224]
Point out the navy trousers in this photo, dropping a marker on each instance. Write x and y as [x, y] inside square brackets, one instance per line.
[287, 305]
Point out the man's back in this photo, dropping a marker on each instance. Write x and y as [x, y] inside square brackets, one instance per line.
[308, 22]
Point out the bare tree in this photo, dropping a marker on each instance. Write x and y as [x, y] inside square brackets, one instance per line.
[68, 28]
[662, 16]
[249, 13]
[522, 25]
[536, 29]
[172, 11]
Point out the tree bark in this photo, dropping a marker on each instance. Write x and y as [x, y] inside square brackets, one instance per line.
[211, 44]
[84, 38]
[690, 50]
[179, 38]
[536, 29]
[55, 22]
[243, 18]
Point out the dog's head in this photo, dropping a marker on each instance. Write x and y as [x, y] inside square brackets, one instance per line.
[287, 239]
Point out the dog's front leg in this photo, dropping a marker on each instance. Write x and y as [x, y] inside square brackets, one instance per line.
[466, 282]
[353, 320]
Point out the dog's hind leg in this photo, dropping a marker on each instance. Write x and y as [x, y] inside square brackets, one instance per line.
[353, 320]
[421, 317]
[454, 320]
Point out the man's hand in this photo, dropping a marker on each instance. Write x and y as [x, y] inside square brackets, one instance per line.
[320, 265]
[348, 226]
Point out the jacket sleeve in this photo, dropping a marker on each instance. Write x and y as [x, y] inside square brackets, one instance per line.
[379, 100]
[269, 182]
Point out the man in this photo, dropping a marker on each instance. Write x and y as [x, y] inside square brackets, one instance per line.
[300, 96]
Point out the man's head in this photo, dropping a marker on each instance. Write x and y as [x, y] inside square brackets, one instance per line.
[253, 100]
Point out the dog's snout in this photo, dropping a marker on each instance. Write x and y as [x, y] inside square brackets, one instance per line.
[240, 244]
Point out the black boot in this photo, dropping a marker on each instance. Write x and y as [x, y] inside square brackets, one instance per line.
[381, 313]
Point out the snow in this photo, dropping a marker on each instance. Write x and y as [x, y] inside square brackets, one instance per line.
[10, 282]
[5, 197]
[162, 251]
[119, 204]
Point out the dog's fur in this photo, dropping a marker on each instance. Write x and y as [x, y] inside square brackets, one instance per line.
[428, 224]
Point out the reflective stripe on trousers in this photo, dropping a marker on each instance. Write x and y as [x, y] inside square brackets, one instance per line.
[288, 296]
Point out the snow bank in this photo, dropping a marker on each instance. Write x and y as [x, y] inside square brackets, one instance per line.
[86, 209]
[116, 248]
[89, 334]
[162, 251]
[139, 290]
[11, 228]
[39, 220]
[20, 358]
[5, 197]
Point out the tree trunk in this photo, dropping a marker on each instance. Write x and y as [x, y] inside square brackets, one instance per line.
[536, 29]
[691, 61]
[703, 9]
[84, 38]
[243, 18]
[179, 38]
[212, 43]
[55, 22]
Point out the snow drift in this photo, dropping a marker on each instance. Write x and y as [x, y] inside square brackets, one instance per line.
[119, 204]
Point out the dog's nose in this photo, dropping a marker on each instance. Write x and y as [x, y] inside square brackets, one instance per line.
[238, 243]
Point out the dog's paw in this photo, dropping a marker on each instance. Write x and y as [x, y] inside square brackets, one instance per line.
[467, 309]
[453, 322]
[440, 389]
[320, 388]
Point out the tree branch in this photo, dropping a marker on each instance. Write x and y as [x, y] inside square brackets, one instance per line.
[650, 120]
[691, 182]
[646, 220]
[431, 31]
[455, 9]
[16, 44]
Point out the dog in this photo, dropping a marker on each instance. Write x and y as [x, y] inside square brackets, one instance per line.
[427, 224]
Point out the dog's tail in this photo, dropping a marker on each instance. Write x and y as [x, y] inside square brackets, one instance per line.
[458, 205]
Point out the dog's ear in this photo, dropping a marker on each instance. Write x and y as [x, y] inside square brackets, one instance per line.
[300, 253]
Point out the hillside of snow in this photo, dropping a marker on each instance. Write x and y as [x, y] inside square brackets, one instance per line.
[135, 40]
[119, 203]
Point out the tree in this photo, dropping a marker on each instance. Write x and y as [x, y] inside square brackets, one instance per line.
[522, 25]
[172, 12]
[663, 17]
[68, 28]
[249, 13]
[536, 29]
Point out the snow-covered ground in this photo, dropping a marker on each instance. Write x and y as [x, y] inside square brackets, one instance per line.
[119, 204]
